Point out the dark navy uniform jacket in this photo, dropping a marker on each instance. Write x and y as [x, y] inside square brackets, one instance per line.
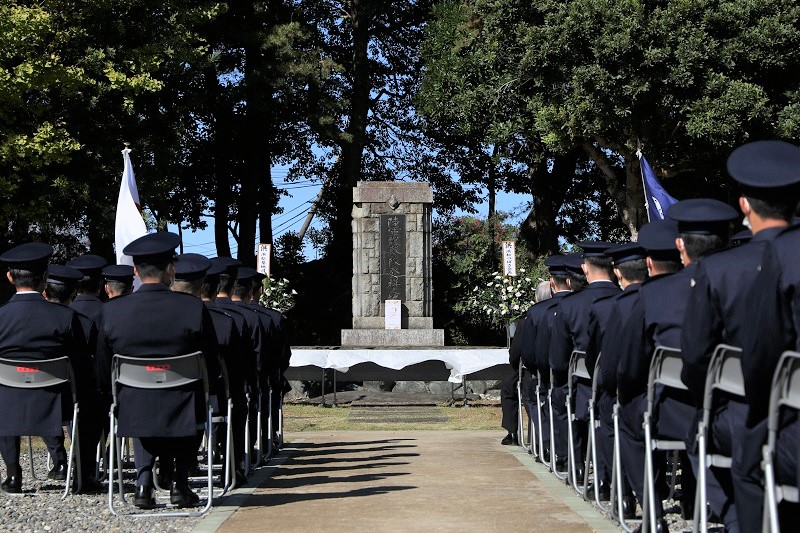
[717, 311]
[515, 350]
[271, 359]
[258, 337]
[773, 304]
[571, 326]
[542, 334]
[244, 363]
[154, 321]
[230, 349]
[281, 333]
[656, 320]
[31, 329]
[90, 306]
[612, 342]
[527, 331]
[599, 313]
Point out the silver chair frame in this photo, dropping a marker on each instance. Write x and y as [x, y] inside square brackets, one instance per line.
[41, 374]
[164, 373]
[531, 446]
[594, 423]
[560, 475]
[577, 369]
[724, 375]
[616, 477]
[665, 369]
[785, 393]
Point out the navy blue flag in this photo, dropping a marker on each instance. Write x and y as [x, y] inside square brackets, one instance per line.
[657, 198]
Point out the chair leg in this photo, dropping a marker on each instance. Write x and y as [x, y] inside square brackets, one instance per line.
[247, 444]
[770, 520]
[270, 444]
[541, 428]
[649, 513]
[701, 497]
[74, 457]
[571, 466]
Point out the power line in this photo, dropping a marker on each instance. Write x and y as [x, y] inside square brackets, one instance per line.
[289, 222]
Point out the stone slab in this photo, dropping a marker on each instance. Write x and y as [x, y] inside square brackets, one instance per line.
[377, 322]
[381, 191]
[393, 337]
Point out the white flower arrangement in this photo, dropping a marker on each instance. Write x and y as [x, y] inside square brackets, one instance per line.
[277, 294]
[504, 298]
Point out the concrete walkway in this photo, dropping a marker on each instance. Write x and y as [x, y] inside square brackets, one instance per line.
[405, 481]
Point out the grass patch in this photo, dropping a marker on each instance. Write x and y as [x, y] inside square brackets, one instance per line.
[300, 418]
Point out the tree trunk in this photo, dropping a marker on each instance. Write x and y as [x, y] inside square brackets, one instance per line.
[539, 229]
[491, 216]
[266, 207]
[352, 146]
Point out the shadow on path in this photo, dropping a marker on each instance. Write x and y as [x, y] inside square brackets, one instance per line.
[320, 464]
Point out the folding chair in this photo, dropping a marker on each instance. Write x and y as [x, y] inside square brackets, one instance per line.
[725, 376]
[616, 477]
[560, 475]
[785, 394]
[540, 431]
[531, 446]
[577, 371]
[665, 370]
[594, 423]
[157, 373]
[29, 375]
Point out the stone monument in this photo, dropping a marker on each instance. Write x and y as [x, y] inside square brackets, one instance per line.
[392, 261]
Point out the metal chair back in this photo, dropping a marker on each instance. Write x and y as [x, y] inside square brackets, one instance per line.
[159, 372]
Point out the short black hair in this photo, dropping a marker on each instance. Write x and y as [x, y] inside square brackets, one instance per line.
[667, 266]
[697, 245]
[560, 280]
[577, 281]
[226, 282]
[152, 269]
[635, 270]
[26, 279]
[89, 285]
[119, 287]
[60, 292]
[782, 207]
[242, 288]
[209, 287]
[188, 286]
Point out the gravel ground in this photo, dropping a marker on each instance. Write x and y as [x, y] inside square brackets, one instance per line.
[45, 511]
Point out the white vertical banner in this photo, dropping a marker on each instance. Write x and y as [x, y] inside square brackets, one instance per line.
[129, 224]
[509, 258]
[264, 253]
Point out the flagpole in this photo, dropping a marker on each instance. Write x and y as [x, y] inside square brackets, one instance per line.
[644, 186]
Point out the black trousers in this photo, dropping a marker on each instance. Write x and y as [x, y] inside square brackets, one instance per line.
[181, 450]
[509, 403]
[535, 410]
[560, 421]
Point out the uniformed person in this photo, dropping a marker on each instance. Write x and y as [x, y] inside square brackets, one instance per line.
[88, 300]
[605, 328]
[230, 303]
[534, 324]
[61, 287]
[657, 320]
[154, 321]
[574, 280]
[718, 313]
[240, 363]
[279, 339]
[571, 332]
[33, 329]
[118, 280]
[772, 309]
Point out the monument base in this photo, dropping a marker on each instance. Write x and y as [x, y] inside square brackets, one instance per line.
[393, 337]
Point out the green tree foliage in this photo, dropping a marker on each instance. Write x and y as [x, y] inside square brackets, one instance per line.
[595, 79]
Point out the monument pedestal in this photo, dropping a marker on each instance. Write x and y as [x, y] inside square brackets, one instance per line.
[392, 260]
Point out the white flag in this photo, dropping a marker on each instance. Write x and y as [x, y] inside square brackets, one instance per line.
[129, 225]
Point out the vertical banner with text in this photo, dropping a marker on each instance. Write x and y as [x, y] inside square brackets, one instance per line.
[509, 258]
[264, 252]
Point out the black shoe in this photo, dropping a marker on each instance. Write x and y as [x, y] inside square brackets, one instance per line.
[89, 486]
[164, 477]
[509, 440]
[661, 527]
[241, 478]
[579, 475]
[687, 508]
[546, 456]
[58, 472]
[561, 464]
[13, 484]
[605, 492]
[182, 496]
[144, 497]
[628, 507]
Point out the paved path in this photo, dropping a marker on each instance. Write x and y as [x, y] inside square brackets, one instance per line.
[406, 481]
